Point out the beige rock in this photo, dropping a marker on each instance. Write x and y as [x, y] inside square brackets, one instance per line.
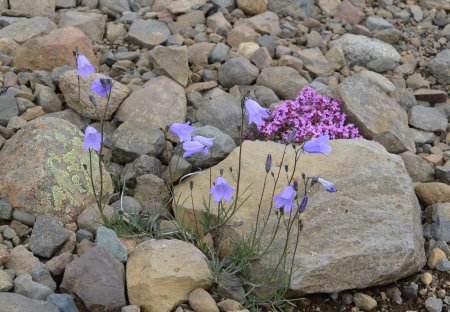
[33, 7]
[264, 23]
[68, 83]
[33, 113]
[168, 270]
[90, 219]
[433, 192]
[364, 301]
[241, 33]
[8, 45]
[153, 105]
[252, 7]
[91, 24]
[335, 228]
[198, 53]
[285, 81]
[57, 264]
[246, 49]
[201, 301]
[183, 6]
[436, 255]
[426, 278]
[172, 62]
[329, 6]
[115, 31]
[27, 29]
[4, 254]
[229, 305]
[6, 282]
[53, 50]
[21, 260]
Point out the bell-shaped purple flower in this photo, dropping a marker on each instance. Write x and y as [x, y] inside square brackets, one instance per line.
[221, 190]
[199, 144]
[92, 139]
[255, 112]
[303, 204]
[182, 131]
[84, 67]
[318, 145]
[330, 187]
[285, 200]
[101, 86]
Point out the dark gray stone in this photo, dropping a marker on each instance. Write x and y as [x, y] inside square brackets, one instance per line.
[439, 67]
[8, 107]
[84, 234]
[148, 33]
[418, 169]
[427, 119]
[443, 174]
[433, 304]
[97, 278]
[48, 235]
[219, 53]
[296, 8]
[127, 204]
[133, 139]
[108, 239]
[24, 217]
[223, 145]
[144, 164]
[443, 265]
[64, 302]
[6, 210]
[25, 286]
[41, 275]
[18, 303]
[237, 71]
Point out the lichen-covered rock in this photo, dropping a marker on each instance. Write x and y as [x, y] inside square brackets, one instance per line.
[42, 170]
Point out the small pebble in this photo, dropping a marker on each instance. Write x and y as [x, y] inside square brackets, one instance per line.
[426, 278]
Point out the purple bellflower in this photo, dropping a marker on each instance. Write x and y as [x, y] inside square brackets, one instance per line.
[199, 144]
[182, 131]
[318, 145]
[92, 139]
[101, 86]
[330, 187]
[285, 199]
[84, 67]
[221, 190]
[255, 112]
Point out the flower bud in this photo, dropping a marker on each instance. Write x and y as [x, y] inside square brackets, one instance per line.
[191, 185]
[291, 137]
[268, 162]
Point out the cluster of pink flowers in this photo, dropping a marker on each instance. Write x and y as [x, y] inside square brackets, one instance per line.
[311, 114]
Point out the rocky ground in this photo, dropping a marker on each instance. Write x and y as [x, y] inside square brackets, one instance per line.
[177, 60]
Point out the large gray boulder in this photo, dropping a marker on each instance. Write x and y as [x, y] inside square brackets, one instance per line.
[357, 237]
[368, 104]
[15, 302]
[368, 52]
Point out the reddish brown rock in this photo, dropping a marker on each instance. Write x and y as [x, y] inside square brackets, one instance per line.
[252, 7]
[55, 49]
[349, 13]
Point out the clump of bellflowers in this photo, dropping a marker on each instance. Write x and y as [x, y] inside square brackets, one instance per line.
[311, 114]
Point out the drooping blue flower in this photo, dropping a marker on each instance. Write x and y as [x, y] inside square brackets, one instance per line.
[221, 190]
[198, 144]
[182, 131]
[101, 86]
[92, 139]
[255, 112]
[330, 187]
[303, 204]
[84, 67]
[285, 199]
[318, 145]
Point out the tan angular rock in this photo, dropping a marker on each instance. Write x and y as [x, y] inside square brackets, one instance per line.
[436, 256]
[91, 24]
[42, 170]
[339, 233]
[68, 83]
[27, 29]
[364, 302]
[241, 33]
[21, 260]
[433, 192]
[201, 301]
[53, 50]
[168, 270]
[8, 45]
[153, 105]
[252, 7]
[172, 62]
[33, 7]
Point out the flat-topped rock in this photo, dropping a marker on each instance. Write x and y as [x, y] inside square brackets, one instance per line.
[357, 227]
